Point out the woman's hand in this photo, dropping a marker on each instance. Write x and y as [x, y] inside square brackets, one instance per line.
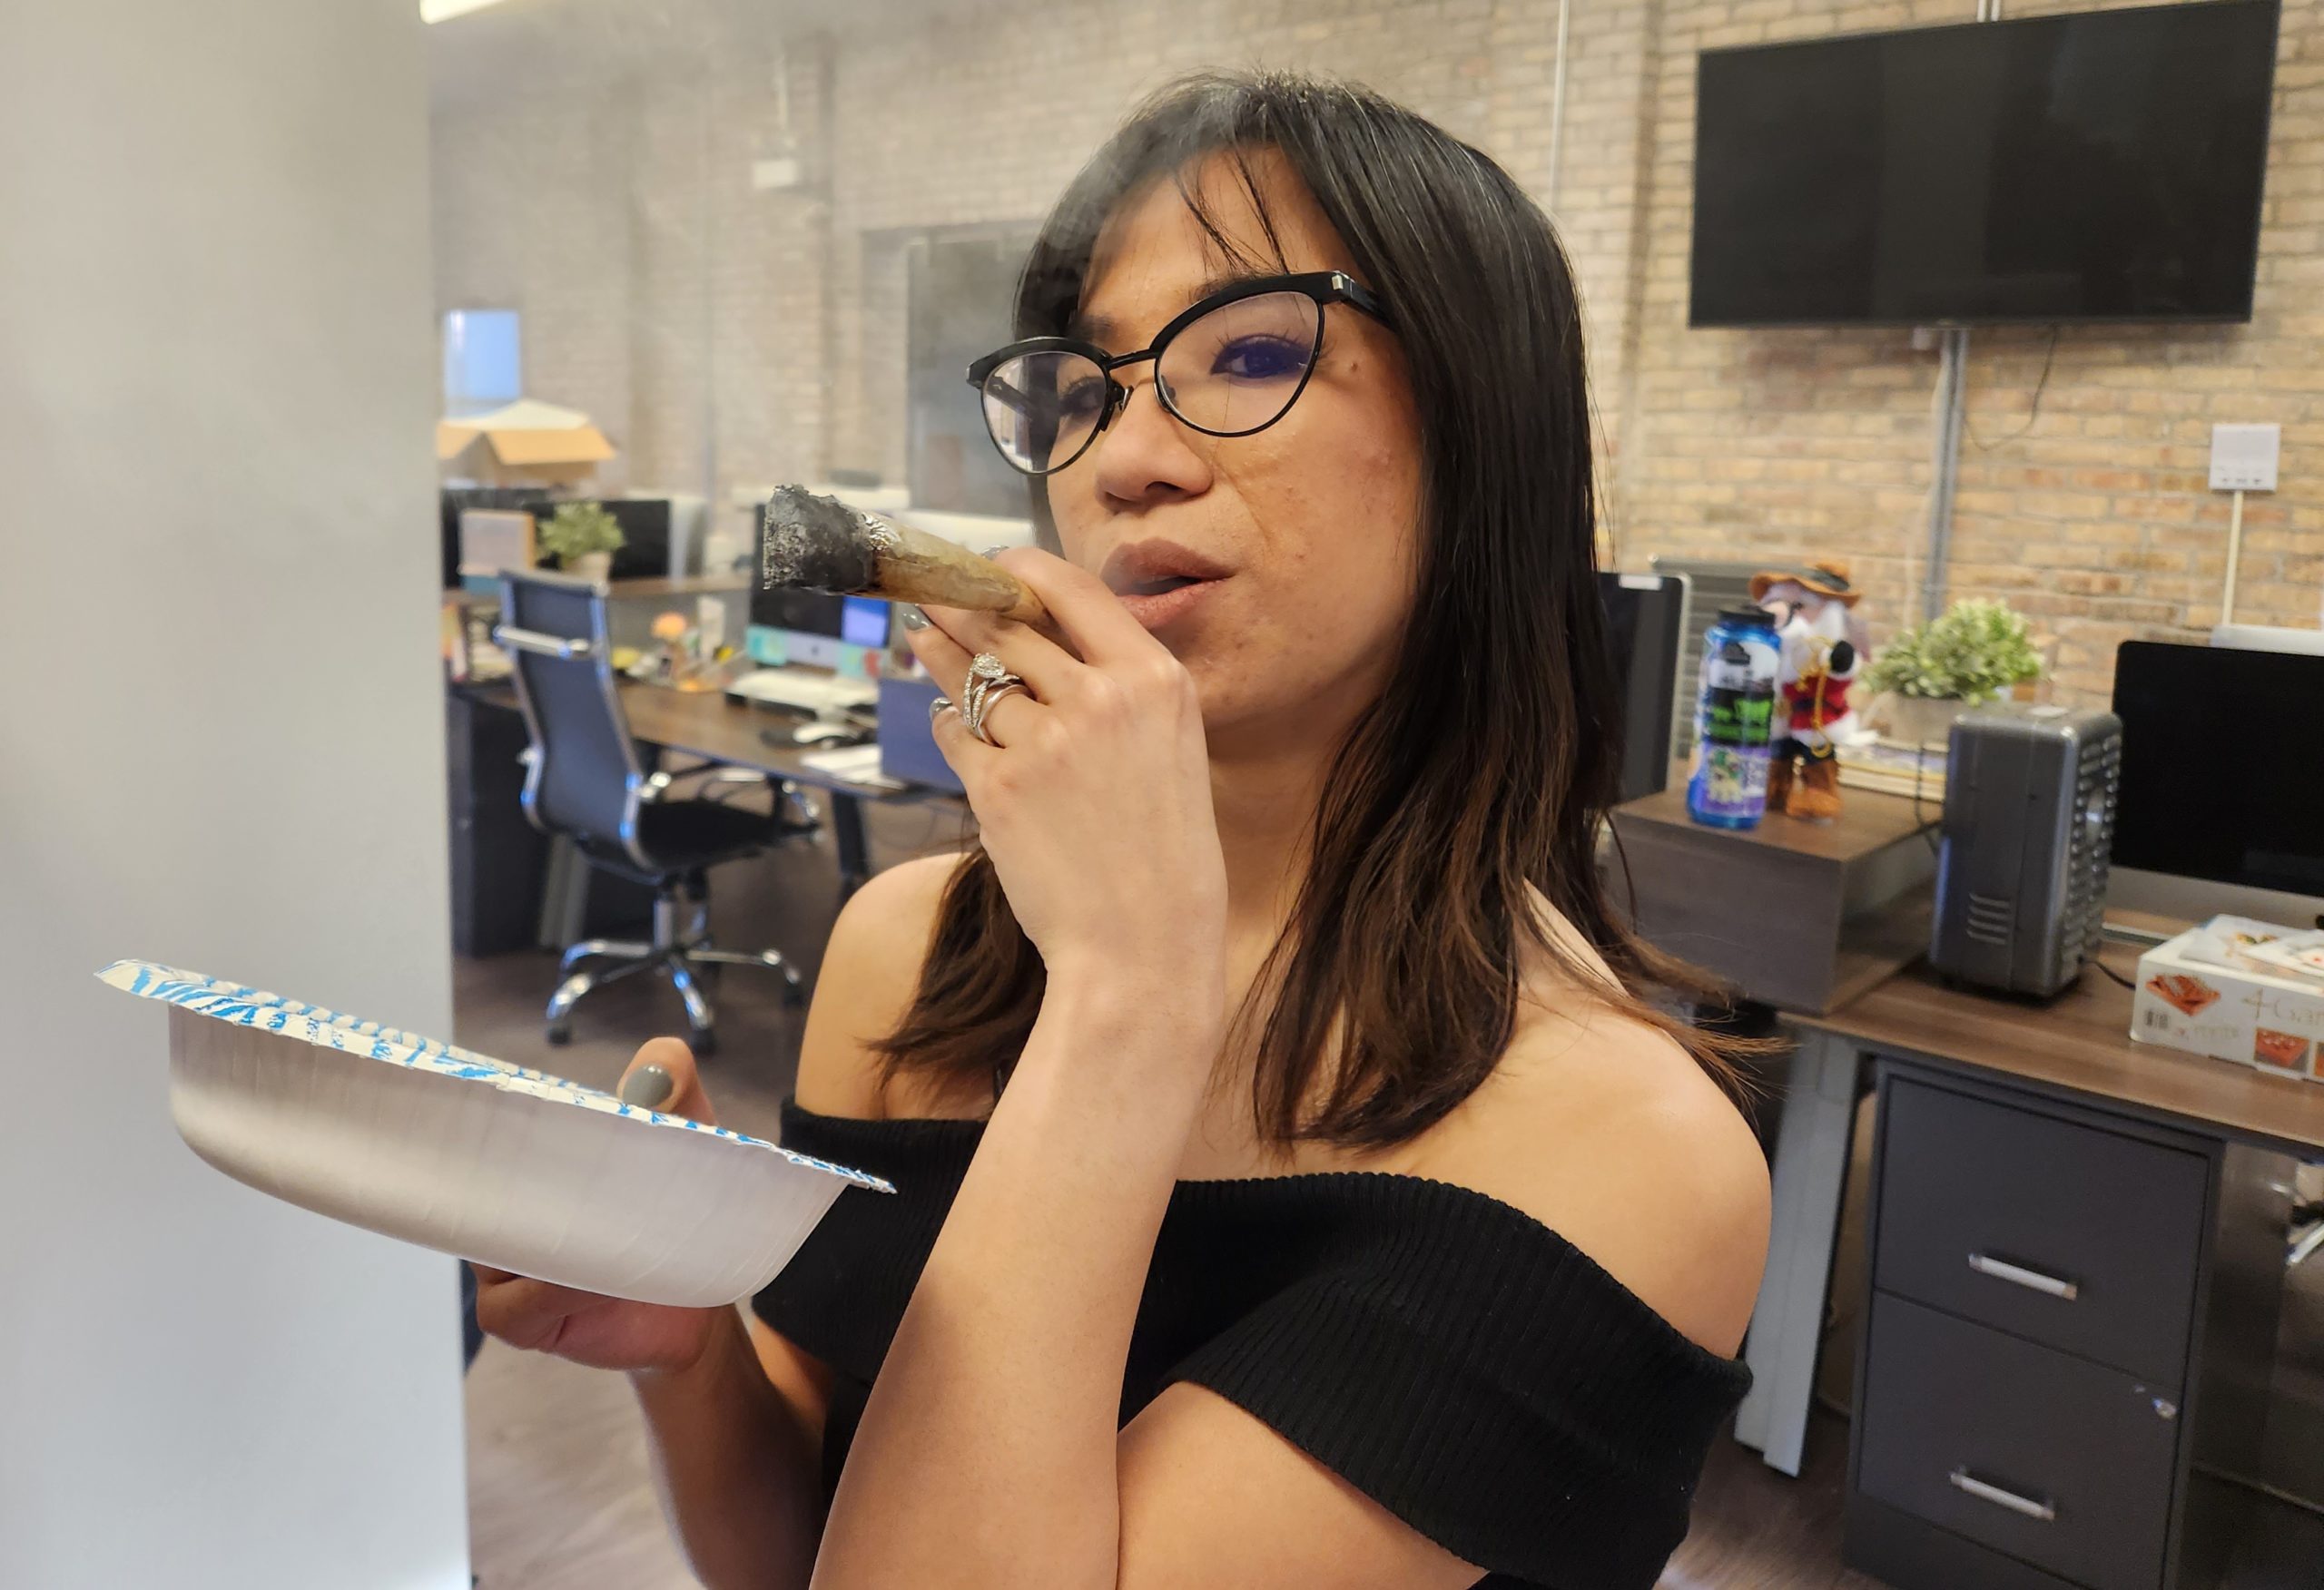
[609, 1333]
[1094, 799]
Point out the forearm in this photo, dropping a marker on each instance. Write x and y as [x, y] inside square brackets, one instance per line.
[986, 1456]
[736, 1473]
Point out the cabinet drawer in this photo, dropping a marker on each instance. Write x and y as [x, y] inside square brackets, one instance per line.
[2056, 1461]
[2069, 1235]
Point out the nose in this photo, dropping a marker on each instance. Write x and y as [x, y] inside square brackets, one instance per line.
[1146, 455]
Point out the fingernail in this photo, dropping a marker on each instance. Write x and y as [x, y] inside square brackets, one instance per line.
[936, 706]
[914, 619]
[648, 1087]
[994, 551]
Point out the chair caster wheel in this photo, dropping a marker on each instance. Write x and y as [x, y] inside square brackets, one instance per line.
[559, 1035]
[703, 1043]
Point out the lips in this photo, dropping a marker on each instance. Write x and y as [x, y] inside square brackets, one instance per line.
[1157, 567]
[1160, 582]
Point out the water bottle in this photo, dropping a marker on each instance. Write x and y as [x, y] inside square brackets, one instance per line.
[1735, 720]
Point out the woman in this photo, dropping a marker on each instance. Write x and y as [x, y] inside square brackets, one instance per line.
[1347, 1217]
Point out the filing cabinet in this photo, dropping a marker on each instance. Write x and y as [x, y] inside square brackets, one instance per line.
[2044, 1287]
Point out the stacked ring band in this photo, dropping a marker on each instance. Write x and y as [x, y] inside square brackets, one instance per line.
[988, 680]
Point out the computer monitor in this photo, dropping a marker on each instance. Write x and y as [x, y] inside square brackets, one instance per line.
[645, 551]
[2222, 760]
[814, 627]
[1645, 621]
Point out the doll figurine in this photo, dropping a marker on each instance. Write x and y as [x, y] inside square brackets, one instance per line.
[1824, 645]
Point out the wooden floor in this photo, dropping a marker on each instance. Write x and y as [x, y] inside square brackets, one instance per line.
[559, 1492]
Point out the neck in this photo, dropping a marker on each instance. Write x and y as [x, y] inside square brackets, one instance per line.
[1264, 790]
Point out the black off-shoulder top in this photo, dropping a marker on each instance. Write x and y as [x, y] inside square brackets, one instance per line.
[1443, 1352]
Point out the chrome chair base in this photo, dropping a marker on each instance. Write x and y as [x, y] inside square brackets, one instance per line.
[677, 956]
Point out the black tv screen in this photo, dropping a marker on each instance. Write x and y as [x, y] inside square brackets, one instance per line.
[2102, 166]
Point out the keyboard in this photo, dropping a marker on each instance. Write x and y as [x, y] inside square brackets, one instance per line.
[802, 691]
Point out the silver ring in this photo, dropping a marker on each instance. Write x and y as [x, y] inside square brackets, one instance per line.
[988, 679]
[1009, 686]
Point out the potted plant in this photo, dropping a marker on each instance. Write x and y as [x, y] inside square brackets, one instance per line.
[1932, 672]
[583, 538]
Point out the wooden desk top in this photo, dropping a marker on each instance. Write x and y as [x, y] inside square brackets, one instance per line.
[686, 585]
[705, 724]
[624, 589]
[1869, 821]
[2080, 1043]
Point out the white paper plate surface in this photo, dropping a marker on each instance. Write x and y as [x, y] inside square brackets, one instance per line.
[424, 1141]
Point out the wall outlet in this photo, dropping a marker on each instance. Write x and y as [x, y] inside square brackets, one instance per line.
[782, 171]
[2243, 457]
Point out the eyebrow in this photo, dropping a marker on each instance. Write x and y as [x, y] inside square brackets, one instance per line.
[1102, 329]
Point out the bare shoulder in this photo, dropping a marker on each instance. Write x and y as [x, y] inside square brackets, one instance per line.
[1605, 1130]
[870, 969]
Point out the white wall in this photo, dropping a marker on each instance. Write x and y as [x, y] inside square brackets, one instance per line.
[216, 383]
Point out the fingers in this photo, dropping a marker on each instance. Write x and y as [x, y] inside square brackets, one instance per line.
[678, 1090]
[526, 1313]
[957, 633]
[1091, 617]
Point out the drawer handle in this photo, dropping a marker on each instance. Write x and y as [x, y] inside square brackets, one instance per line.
[1964, 1480]
[2017, 1274]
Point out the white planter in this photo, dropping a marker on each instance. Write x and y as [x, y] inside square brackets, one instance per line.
[592, 565]
[1906, 720]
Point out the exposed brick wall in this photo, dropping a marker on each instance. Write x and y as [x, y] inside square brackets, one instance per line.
[2096, 519]
[590, 211]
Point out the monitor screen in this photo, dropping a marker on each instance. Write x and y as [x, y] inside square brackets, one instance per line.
[804, 613]
[2101, 165]
[863, 621]
[2223, 757]
[1645, 614]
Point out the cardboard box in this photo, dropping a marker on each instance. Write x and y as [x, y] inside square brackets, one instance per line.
[2231, 1013]
[527, 443]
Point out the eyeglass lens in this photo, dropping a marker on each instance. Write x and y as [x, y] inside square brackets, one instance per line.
[1233, 371]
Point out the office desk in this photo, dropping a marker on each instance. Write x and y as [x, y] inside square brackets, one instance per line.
[705, 724]
[2064, 1075]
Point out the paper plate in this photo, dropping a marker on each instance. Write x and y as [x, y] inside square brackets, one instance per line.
[418, 1139]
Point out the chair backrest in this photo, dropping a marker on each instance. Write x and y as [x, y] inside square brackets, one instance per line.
[585, 780]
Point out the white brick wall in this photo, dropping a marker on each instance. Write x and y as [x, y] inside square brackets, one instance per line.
[587, 212]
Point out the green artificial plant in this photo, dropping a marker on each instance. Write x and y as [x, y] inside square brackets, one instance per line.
[578, 529]
[1974, 650]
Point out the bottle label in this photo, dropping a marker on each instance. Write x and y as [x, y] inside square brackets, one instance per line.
[1735, 720]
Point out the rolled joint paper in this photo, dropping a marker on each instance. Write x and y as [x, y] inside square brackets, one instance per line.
[814, 542]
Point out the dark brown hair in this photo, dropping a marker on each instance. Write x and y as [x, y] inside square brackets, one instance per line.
[1491, 762]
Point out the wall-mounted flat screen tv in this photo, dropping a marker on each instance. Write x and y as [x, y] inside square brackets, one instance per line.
[2100, 166]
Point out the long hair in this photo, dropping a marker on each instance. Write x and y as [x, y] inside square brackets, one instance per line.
[1490, 760]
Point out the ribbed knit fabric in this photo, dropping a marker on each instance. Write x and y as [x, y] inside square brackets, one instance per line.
[1445, 1353]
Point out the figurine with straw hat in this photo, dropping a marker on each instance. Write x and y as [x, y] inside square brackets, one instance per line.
[1824, 642]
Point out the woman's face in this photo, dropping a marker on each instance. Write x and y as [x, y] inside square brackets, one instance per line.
[1313, 520]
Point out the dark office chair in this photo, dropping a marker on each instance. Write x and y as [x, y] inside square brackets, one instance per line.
[585, 783]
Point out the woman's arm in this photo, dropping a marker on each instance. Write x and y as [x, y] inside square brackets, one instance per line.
[737, 1435]
[987, 1453]
[734, 1463]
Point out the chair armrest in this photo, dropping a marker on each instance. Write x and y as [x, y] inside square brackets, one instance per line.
[658, 784]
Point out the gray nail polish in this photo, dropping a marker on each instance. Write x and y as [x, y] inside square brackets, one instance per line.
[648, 1087]
[913, 618]
[994, 551]
[936, 706]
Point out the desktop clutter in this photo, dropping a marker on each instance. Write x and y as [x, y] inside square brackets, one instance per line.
[2236, 989]
[1778, 723]
[1774, 706]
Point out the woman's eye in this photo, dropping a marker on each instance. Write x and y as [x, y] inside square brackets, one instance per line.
[1260, 358]
[1081, 399]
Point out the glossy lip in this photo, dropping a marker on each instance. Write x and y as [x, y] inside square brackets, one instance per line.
[1156, 611]
[1136, 561]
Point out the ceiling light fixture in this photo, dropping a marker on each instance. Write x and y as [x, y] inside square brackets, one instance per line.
[445, 10]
